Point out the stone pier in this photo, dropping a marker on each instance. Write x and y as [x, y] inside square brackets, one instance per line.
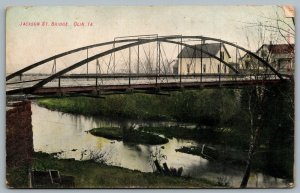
[19, 142]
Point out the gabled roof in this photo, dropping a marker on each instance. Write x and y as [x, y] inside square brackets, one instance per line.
[279, 48]
[276, 49]
[212, 48]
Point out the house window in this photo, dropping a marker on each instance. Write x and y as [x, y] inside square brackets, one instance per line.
[175, 70]
[218, 68]
[222, 55]
[247, 64]
[204, 68]
[188, 68]
[284, 64]
[263, 53]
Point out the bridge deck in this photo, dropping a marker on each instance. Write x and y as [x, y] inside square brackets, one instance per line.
[147, 87]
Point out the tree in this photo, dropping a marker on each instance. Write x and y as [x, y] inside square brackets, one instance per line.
[280, 29]
[275, 29]
[253, 100]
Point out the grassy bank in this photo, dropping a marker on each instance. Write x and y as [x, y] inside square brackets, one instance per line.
[173, 131]
[208, 135]
[89, 174]
[231, 157]
[108, 132]
[204, 104]
[131, 136]
[137, 106]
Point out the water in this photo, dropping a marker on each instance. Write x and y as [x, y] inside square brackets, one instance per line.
[65, 133]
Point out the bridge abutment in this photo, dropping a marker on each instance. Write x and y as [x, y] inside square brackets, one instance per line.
[19, 136]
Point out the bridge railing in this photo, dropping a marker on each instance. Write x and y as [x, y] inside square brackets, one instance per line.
[141, 78]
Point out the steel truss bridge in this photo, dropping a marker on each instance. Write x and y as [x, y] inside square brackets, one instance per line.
[138, 64]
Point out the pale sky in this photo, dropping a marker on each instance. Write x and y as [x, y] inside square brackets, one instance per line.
[27, 44]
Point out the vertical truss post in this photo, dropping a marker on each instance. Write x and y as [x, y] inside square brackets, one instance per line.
[178, 56]
[97, 64]
[194, 58]
[201, 65]
[149, 61]
[129, 66]
[250, 70]
[157, 56]
[220, 67]
[20, 77]
[87, 64]
[96, 81]
[236, 60]
[180, 61]
[159, 52]
[114, 58]
[58, 82]
[258, 74]
[138, 58]
[275, 76]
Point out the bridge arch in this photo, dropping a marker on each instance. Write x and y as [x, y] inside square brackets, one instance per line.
[132, 43]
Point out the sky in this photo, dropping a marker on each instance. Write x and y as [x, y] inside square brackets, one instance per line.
[29, 44]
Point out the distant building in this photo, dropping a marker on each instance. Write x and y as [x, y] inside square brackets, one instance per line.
[280, 56]
[191, 59]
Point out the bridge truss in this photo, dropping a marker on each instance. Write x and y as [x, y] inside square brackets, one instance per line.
[140, 63]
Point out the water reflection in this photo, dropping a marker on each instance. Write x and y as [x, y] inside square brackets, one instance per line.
[60, 132]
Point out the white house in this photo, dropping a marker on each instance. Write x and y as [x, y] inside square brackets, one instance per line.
[280, 56]
[189, 59]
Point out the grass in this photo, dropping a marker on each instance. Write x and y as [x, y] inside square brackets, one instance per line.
[231, 157]
[89, 174]
[108, 132]
[208, 153]
[173, 131]
[135, 106]
[204, 105]
[131, 136]
[17, 176]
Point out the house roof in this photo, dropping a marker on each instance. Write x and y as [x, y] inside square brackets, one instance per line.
[279, 48]
[213, 49]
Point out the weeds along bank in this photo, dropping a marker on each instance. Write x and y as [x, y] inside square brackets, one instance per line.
[90, 174]
[207, 107]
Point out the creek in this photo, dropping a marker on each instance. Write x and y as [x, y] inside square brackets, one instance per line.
[66, 135]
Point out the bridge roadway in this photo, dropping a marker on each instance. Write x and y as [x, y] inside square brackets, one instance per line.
[74, 84]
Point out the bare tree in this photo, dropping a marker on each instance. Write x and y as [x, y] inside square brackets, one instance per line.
[256, 97]
[277, 29]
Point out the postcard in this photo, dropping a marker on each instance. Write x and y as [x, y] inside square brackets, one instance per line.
[150, 96]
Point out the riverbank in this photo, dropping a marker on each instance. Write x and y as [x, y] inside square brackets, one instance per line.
[172, 131]
[89, 174]
[137, 106]
[204, 105]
